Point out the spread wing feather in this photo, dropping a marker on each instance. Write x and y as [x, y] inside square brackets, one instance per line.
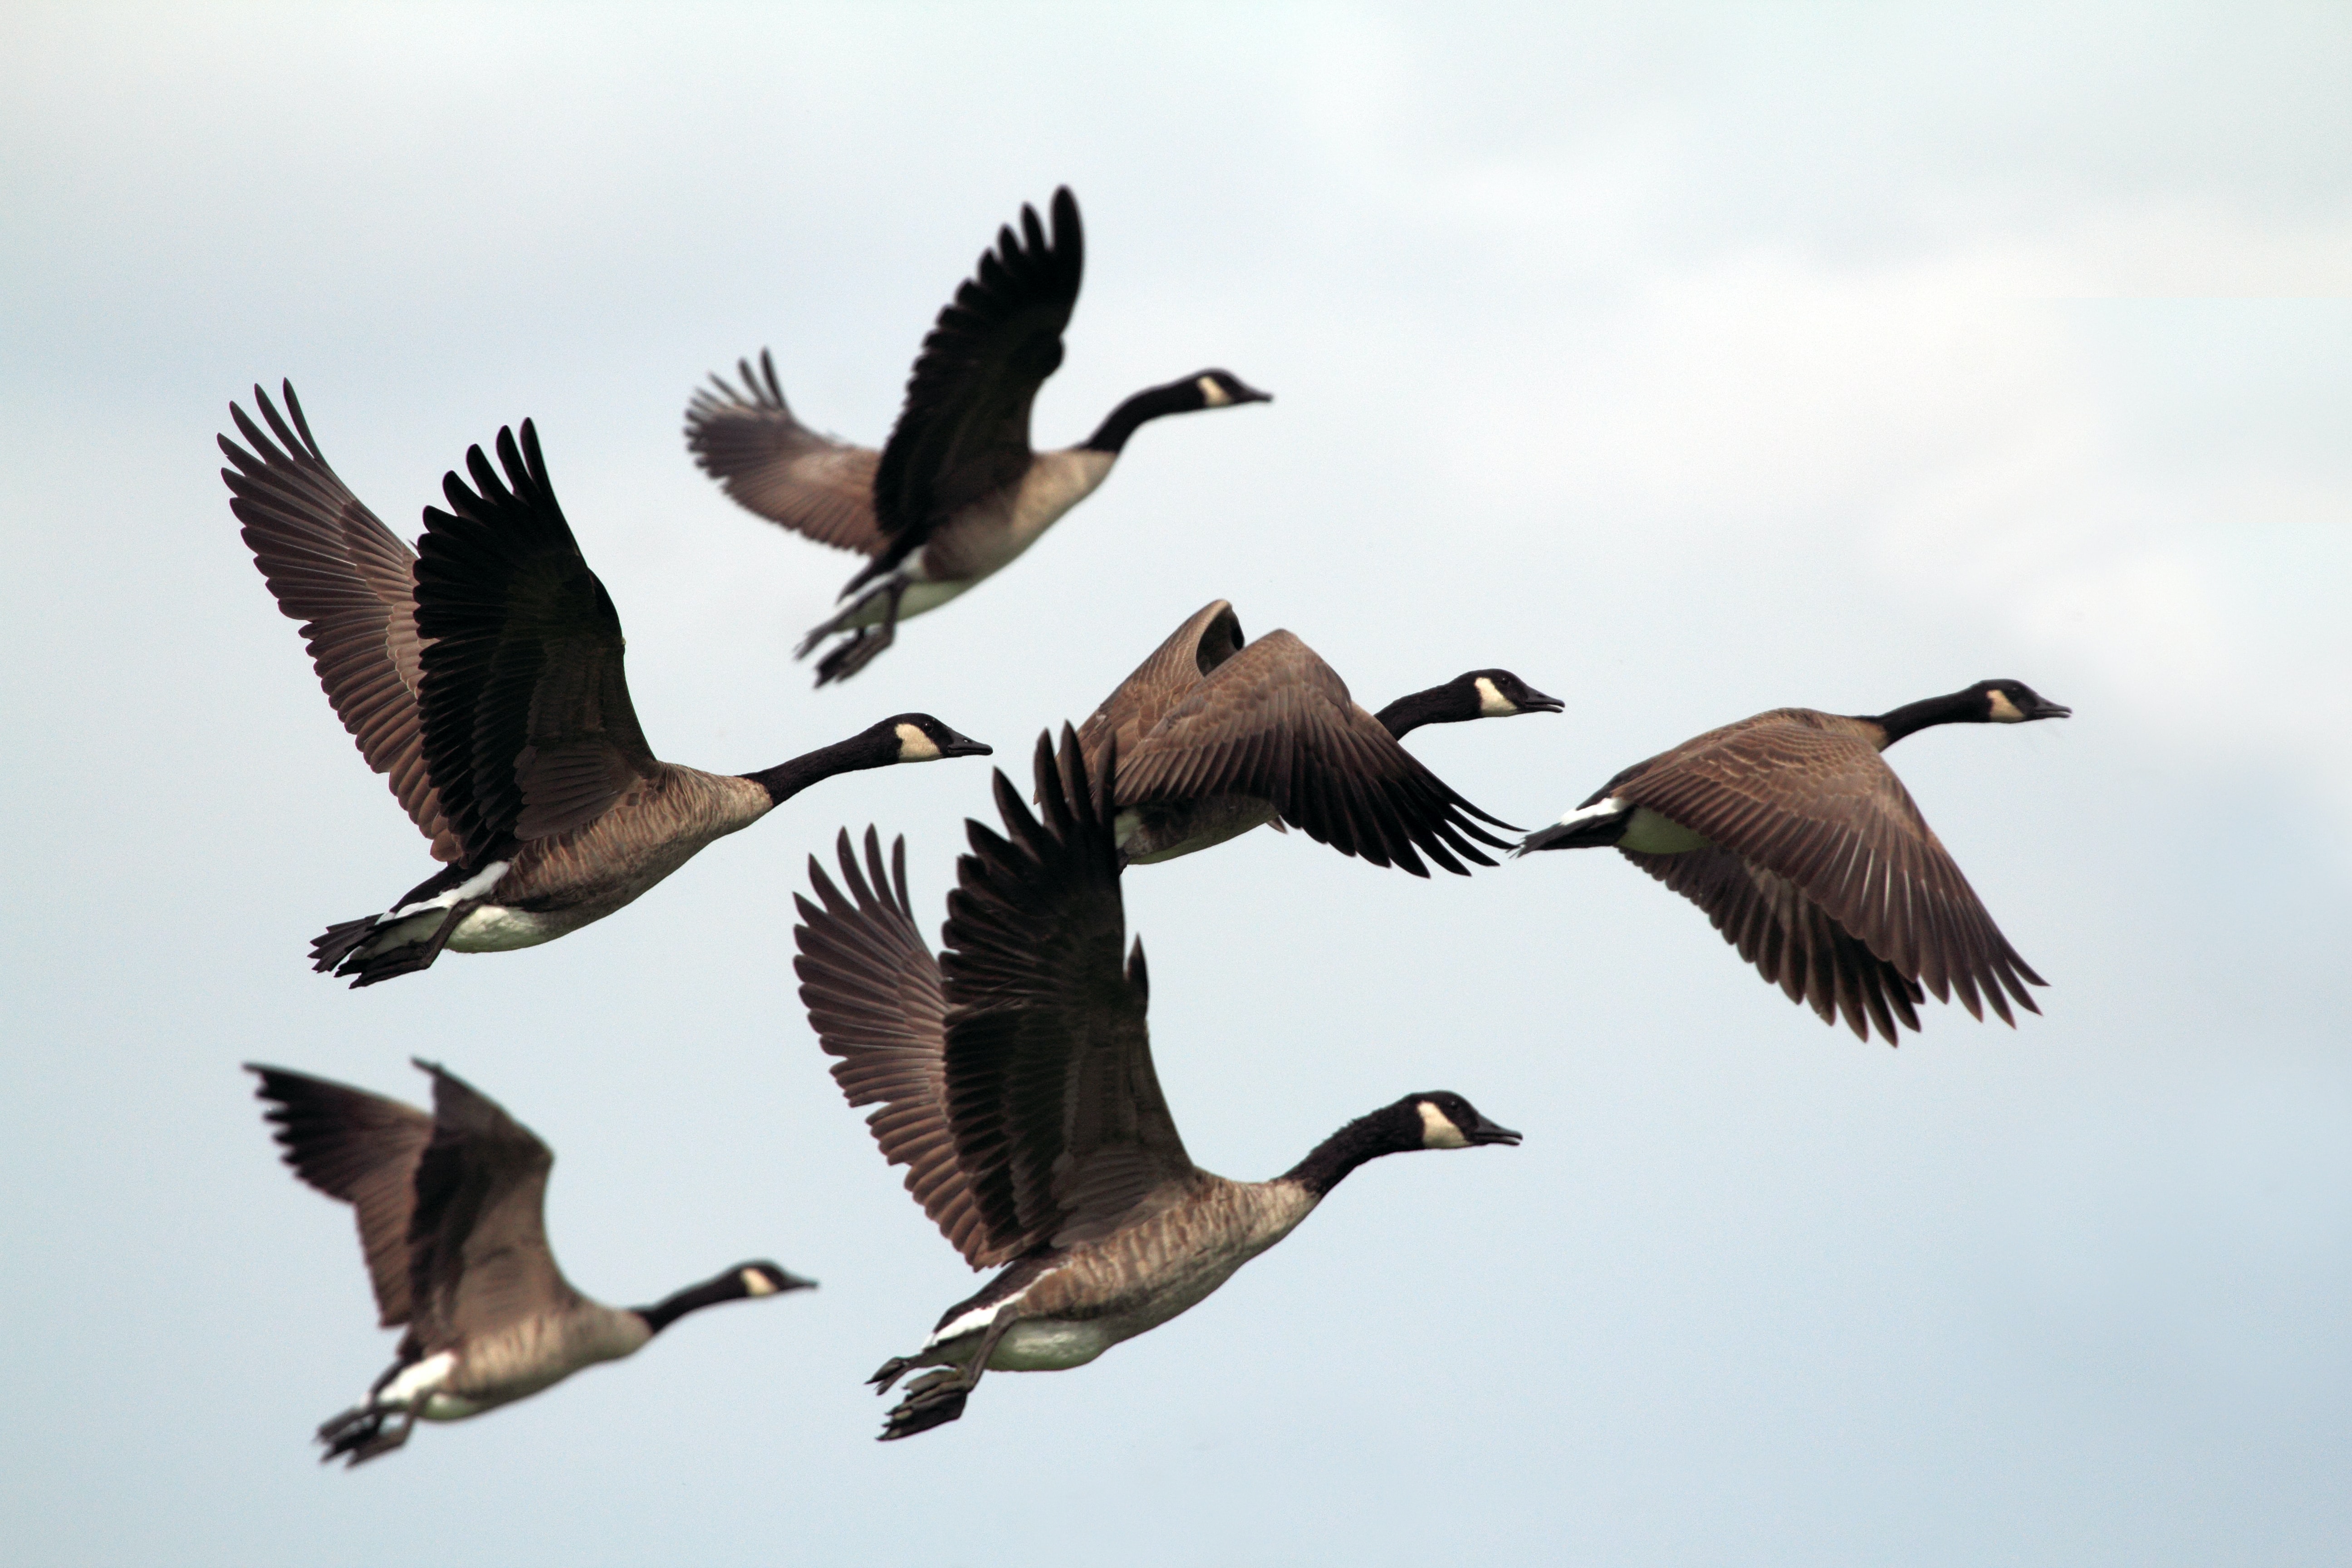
[1059, 1122]
[872, 990]
[964, 431]
[1275, 723]
[363, 1149]
[333, 564]
[771, 463]
[477, 1242]
[528, 729]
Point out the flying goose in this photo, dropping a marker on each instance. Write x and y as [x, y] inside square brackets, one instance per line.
[450, 1218]
[1215, 737]
[1015, 1083]
[1806, 851]
[956, 492]
[486, 678]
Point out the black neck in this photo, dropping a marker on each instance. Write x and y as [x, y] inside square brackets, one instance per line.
[1365, 1138]
[1438, 705]
[1176, 398]
[786, 780]
[726, 1287]
[1960, 708]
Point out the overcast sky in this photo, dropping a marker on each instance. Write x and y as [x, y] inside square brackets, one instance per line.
[1685, 362]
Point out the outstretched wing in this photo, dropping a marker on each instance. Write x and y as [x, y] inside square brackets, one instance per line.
[1852, 842]
[362, 1149]
[964, 431]
[1275, 723]
[1059, 1123]
[771, 463]
[477, 1242]
[1791, 939]
[872, 990]
[528, 727]
[331, 564]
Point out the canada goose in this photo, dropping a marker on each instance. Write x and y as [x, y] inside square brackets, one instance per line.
[450, 1216]
[1215, 738]
[1015, 1081]
[1806, 851]
[487, 679]
[956, 492]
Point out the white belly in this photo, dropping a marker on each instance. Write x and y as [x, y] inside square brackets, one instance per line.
[1045, 1344]
[494, 928]
[921, 595]
[1649, 834]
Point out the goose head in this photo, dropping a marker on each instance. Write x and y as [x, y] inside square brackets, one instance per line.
[764, 1278]
[1220, 389]
[2014, 703]
[920, 738]
[1443, 1119]
[1499, 694]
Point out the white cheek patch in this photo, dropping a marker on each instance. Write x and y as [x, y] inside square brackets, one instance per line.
[1437, 1130]
[1492, 703]
[2004, 711]
[758, 1284]
[1211, 395]
[914, 746]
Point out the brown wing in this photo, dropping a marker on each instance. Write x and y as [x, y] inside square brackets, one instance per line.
[1805, 798]
[478, 1241]
[1790, 939]
[872, 990]
[362, 1149]
[529, 731]
[331, 564]
[1275, 723]
[1209, 637]
[964, 431]
[1059, 1123]
[772, 464]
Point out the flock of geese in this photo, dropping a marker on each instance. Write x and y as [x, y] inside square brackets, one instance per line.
[482, 673]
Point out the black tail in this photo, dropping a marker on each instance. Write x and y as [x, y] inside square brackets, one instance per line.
[1589, 833]
[359, 1433]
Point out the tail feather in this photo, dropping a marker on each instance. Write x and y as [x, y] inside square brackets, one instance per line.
[1585, 833]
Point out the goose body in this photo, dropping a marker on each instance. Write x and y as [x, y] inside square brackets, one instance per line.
[450, 1213]
[485, 677]
[1015, 1080]
[1217, 735]
[957, 494]
[1810, 857]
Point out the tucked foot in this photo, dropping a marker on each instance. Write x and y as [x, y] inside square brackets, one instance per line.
[850, 657]
[360, 1433]
[891, 1371]
[369, 950]
[932, 1400]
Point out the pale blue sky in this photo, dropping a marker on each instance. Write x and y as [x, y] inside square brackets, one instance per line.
[1687, 363]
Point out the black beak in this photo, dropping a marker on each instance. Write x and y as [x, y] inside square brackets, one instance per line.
[1536, 702]
[1245, 392]
[965, 746]
[794, 1282]
[1488, 1132]
[2045, 708]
